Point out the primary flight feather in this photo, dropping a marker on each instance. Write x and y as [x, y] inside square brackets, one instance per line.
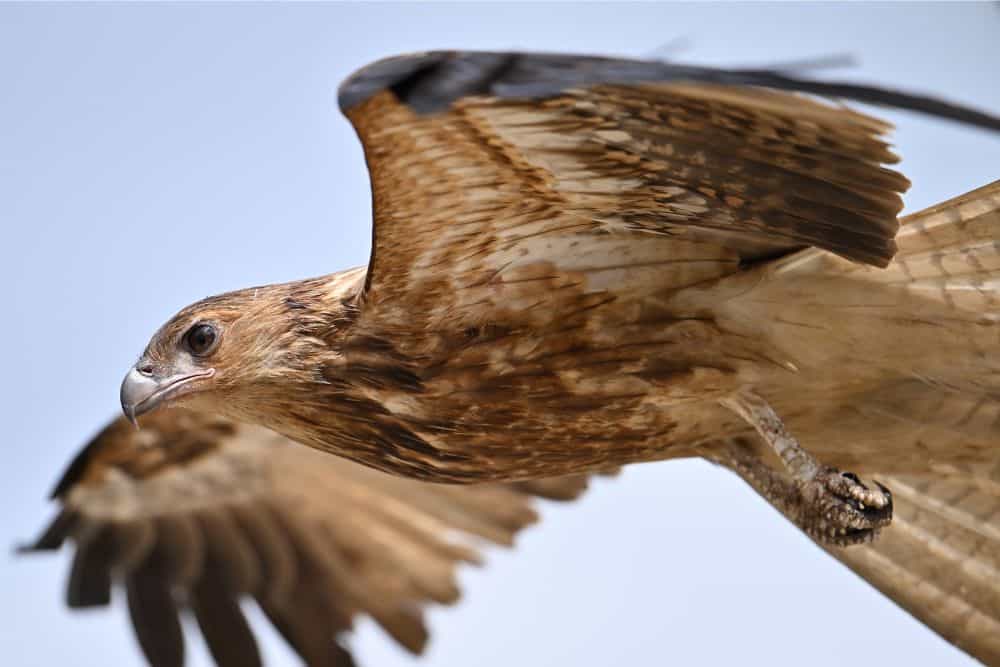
[579, 263]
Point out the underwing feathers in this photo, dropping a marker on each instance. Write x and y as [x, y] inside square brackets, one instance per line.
[316, 541]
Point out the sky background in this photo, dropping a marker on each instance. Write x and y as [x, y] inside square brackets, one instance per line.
[153, 155]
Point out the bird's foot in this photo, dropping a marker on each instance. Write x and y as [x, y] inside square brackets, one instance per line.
[838, 508]
[829, 505]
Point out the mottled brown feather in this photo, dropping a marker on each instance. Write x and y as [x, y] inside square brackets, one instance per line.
[314, 539]
[513, 236]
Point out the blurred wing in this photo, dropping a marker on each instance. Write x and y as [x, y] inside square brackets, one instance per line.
[490, 169]
[430, 81]
[193, 513]
[940, 558]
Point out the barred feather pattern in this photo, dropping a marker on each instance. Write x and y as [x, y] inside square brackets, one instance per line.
[931, 433]
[940, 559]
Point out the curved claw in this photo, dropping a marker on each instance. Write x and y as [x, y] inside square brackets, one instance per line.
[840, 509]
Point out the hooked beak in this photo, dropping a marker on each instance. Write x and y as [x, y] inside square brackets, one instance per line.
[143, 390]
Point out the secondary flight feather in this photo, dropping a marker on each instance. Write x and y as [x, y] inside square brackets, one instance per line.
[579, 263]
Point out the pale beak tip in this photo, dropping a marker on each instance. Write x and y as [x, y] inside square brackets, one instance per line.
[142, 391]
[132, 390]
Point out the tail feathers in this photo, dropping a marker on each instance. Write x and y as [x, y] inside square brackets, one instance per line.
[940, 558]
[916, 347]
[946, 282]
[934, 312]
[952, 224]
[951, 253]
[953, 247]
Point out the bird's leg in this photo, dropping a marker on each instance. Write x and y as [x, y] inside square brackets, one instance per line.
[831, 506]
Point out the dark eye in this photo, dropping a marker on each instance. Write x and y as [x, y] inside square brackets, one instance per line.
[200, 339]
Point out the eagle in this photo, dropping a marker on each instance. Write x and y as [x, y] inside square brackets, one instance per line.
[578, 263]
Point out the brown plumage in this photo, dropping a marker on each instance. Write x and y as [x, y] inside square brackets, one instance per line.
[196, 512]
[580, 263]
[551, 279]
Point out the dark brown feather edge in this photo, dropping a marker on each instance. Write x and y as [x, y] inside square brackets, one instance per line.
[154, 615]
[430, 82]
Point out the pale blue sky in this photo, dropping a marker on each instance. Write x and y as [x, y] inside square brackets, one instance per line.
[152, 155]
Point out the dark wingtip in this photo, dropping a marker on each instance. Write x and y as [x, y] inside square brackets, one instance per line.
[430, 82]
[52, 537]
[384, 74]
[27, 548]
[890, 98]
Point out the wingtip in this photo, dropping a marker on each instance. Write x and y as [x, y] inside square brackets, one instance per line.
[52, 536]
[24, 548]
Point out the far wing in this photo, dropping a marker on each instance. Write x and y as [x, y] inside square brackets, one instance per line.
[493, 168]
[194, 513]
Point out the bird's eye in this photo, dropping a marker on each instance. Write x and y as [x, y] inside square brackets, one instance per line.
[200, 339]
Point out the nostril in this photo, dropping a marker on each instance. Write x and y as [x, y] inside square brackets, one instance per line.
[145, 369]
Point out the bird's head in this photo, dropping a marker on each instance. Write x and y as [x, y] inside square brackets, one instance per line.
[225, 354]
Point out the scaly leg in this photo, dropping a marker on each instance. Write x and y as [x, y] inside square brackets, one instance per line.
[831, 506]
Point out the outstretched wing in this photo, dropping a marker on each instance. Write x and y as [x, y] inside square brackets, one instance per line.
[490, 169]
[194, 513]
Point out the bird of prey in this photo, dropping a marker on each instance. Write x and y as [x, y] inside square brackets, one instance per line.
[580, 263]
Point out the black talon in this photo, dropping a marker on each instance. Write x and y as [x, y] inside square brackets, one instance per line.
[851, 476]
[888, 496]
